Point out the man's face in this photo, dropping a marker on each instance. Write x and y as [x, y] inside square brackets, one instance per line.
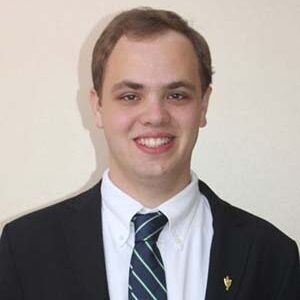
[151, 107]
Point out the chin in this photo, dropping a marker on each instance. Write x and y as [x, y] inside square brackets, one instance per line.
[152, 171]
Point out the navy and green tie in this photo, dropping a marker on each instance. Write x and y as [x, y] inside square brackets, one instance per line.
[147, 280]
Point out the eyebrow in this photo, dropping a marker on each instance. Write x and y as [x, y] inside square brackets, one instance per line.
[127, 83]
[181, 83]
[139, 86]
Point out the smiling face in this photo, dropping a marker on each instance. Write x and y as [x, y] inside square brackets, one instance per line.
[151, 108]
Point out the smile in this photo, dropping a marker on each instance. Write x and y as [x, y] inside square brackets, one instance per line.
[154, 142]
[155, 145]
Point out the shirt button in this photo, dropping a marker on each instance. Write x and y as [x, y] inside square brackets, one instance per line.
[178, 240]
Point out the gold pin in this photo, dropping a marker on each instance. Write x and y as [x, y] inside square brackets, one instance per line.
[227, 282]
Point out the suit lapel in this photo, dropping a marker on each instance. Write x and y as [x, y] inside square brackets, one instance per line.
[229, 250]
[82, 227]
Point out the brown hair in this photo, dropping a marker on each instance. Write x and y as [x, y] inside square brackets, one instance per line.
[142, 23]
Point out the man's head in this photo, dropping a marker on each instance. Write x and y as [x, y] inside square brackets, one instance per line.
[151, 97]
[146, 23]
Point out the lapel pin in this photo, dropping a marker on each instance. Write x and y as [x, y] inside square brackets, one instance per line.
[227, 282]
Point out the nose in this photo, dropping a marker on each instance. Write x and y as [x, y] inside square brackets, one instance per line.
[155, 113]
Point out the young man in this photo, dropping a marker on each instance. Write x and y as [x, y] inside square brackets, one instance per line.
[150, 229]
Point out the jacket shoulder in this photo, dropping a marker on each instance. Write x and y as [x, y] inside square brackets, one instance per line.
[266, 237]
[41, 221]
[261, 230]
[226, 213]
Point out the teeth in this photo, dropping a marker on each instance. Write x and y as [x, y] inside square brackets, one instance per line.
[153, 142]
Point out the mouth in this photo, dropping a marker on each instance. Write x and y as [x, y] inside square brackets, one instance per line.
[155, 145]
[153, 142]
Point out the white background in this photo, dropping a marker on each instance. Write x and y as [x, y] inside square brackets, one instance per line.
[248, 153]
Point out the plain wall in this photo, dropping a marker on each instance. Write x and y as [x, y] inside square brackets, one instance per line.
[249, 151]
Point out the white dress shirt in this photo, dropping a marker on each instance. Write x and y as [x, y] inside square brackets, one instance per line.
[184, 243]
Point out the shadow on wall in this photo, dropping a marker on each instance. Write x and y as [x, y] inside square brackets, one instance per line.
[87, 119]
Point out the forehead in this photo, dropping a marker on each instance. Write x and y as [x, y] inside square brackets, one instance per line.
[166, 57]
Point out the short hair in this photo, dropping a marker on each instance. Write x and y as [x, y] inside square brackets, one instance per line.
[145, 22]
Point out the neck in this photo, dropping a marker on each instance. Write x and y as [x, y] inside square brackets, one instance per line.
[151, 192]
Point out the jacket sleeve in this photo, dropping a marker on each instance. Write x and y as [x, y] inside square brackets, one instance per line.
[290, 287]
[10, 288]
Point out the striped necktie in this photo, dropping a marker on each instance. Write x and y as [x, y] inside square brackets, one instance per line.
[147, 279]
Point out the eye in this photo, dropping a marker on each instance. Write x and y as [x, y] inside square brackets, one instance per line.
[177, 96]
[129, 97]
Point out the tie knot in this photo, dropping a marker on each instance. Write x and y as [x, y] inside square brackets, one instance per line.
[148, 226]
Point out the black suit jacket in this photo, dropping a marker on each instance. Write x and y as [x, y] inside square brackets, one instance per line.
[57, 254]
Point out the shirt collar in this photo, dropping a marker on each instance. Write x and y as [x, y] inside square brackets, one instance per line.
[180, 210]
[120, 208]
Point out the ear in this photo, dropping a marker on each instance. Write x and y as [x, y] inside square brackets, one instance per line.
[204, 106]
[96, 107]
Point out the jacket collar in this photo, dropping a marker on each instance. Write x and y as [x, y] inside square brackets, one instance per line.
[82, 226]
[229, 250]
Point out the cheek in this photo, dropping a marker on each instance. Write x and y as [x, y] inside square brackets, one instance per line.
[117, 122]
[188, 119]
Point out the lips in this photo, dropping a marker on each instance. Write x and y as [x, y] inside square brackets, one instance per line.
[159, 143]
[153, 142]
